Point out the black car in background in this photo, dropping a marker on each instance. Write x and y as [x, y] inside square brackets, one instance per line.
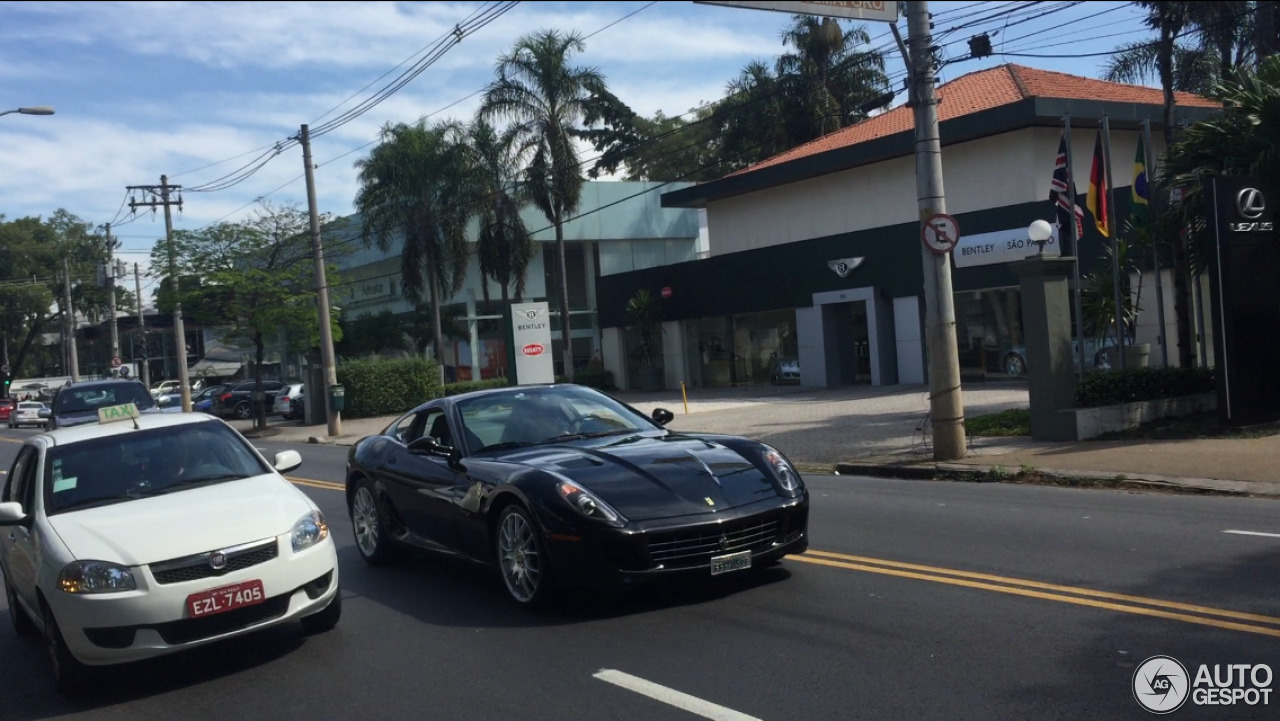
[236, 400]
[562, 484]
[78, 402]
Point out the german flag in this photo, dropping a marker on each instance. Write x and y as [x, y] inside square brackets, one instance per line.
[1096, 201]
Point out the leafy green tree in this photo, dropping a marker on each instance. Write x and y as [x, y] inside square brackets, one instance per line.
[1244, 140]
[371, 334]
[504, 245]
[414, 189]
[825, 79]
[250, 279]
[548, 101]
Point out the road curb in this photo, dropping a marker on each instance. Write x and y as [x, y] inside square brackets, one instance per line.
[998, 474]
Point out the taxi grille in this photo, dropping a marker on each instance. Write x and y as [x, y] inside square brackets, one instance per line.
[192, 568]
[696, 546]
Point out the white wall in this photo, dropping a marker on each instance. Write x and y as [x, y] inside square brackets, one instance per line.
[1008, 169]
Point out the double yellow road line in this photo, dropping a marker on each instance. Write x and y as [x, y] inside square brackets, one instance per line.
[327, 485]
[1124, 603]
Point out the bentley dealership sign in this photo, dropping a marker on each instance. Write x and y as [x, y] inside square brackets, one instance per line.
[531, 343]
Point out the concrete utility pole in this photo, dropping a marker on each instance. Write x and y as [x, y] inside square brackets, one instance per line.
[111, 294]
[142, 329]
[69, 324]
[329, 366]
[946, 407]
[162, 192]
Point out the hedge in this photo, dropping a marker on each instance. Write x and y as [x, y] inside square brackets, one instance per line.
[1130, 385]
[387, 386]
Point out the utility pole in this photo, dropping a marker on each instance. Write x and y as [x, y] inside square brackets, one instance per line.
[69, 324]
[946, 407]
[179, 330]
[111, 294]
[329, 366]
[142, 329]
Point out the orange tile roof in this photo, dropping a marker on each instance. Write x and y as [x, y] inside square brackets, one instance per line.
[983, 90]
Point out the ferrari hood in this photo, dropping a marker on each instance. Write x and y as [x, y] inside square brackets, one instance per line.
[183, 523]
[646, 478]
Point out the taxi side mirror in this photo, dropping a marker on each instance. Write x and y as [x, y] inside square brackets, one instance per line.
[286, 461]
[11, 514]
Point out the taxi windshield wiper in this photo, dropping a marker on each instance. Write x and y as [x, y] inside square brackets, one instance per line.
[194, 482]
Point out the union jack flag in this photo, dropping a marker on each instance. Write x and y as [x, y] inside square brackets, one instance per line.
[1063, 195]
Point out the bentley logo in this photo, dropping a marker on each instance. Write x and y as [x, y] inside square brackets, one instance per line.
[531, 314]
[724, 542]
[1250, 204]
[844, 266]
[217, 560]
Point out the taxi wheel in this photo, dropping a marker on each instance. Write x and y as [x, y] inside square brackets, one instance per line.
[22, 624]
[369, 522]
[69, 675]
[324, 620]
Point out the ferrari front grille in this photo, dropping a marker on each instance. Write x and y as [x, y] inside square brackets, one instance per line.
[695, 546]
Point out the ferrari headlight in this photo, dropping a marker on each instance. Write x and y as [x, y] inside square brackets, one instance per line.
[783, 473]
[308, 531]
[586, 502]
[96, 577]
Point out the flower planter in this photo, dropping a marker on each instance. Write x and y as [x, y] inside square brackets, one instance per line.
[1093, 422]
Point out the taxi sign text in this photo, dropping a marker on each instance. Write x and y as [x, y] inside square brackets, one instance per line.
[111, 414]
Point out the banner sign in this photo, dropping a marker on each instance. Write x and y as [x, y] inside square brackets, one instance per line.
[1002, 246]
[531, 343]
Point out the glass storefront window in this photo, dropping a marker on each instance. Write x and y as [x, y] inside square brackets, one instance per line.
[743, 349]
[988, 329]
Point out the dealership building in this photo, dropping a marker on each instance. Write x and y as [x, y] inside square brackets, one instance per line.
[815, 255]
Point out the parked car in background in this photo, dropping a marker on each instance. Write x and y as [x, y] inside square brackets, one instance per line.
[284, 400]
[6, 407]
[172, 386]
[785, 370]
[27, 413]
[236, 400]
[202, 402]
[77, 403]
[1097, 355]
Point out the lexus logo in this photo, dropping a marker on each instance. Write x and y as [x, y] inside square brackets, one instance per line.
[217, 560]
[1250, 204]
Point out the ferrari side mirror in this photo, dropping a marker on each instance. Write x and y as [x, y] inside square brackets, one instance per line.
[662, 416]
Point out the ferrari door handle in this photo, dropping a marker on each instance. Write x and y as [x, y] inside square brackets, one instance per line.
[13, 536]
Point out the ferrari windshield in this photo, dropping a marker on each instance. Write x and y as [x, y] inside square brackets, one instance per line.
[526, 416]
[145, 463]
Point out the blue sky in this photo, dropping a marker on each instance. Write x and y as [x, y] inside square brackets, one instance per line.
[196, 90]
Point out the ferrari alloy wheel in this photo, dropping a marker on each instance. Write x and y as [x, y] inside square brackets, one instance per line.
[22, 624]
[69, 675]
[374, 544]
[521, 558]
[242, 411]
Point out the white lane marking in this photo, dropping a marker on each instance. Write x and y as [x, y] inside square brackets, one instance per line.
[1254, 533]
[671, 697]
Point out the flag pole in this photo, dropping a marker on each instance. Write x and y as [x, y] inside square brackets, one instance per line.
[1148, 162]
[1075, 245]
[1115, 237]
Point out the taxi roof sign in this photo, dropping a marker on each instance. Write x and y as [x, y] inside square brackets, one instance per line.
[123, 412]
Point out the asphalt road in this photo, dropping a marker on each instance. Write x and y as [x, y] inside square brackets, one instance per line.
[917, 600]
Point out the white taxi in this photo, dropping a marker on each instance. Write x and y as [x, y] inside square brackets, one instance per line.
[144, 534]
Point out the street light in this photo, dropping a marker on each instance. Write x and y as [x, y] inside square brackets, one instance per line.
[33, 110]
[1040, 233]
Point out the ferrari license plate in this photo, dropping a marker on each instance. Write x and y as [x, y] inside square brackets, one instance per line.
[226, 598]
[730, 562]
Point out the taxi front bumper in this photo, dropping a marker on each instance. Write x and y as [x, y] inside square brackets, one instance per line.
[154, 619]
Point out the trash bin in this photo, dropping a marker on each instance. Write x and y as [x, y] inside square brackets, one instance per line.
[337, 398]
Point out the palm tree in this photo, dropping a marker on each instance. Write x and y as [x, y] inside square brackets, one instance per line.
[547, 102]
[825, 78]
[1222, 47]
[504, 245]
[413, 187]
[749, 118]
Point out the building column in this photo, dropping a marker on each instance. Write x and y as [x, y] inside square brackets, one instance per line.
[1046, 317]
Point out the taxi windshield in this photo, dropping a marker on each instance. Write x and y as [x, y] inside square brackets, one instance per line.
[144, 463]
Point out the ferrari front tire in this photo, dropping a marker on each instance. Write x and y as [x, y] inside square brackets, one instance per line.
[522, 558]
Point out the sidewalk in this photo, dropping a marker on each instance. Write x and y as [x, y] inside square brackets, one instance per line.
[884, 431]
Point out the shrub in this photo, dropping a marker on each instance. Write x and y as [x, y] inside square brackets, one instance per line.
[1130, 385]
[1013, 422]
[453, 389]
[387, 386]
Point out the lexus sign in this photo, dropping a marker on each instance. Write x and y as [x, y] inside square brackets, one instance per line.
[1250, 207]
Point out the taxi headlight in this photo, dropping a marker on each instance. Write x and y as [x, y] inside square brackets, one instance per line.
[308, 531]
[96, 577]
